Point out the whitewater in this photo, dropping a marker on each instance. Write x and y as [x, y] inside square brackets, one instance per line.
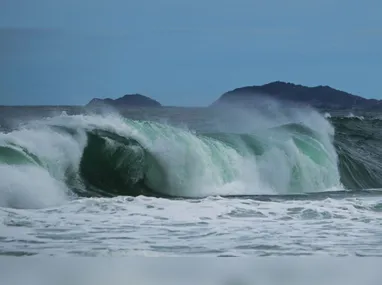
[227, 181]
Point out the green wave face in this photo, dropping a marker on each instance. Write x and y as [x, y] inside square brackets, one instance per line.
[103, 156]
[358, 144]
[13, 155]
[169, 161]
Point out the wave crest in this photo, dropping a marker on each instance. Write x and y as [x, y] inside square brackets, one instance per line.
[110, 155]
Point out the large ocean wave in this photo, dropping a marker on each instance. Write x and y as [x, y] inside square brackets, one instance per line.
[48, 161]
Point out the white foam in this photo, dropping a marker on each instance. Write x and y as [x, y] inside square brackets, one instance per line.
[35, 186]
[351, 115]
[30, 187]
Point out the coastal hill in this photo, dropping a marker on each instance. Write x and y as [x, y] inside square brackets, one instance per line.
[321, 97]
[133, 100]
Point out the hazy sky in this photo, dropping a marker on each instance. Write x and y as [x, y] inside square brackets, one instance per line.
[184, 52]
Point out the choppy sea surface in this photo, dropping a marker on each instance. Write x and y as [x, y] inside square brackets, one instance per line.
[190, 182]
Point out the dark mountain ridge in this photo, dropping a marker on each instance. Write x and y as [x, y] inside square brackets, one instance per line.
[322, 97]
[133, 100]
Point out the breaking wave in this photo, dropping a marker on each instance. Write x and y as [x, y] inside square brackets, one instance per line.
[49, 161]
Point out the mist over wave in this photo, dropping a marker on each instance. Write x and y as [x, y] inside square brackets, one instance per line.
[272, 150]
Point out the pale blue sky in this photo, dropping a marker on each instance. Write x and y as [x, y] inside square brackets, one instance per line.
[184, 52]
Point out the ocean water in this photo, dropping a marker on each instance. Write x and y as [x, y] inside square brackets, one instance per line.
[272, 181]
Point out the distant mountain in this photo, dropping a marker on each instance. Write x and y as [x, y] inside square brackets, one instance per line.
[322, 97]
[133, 100]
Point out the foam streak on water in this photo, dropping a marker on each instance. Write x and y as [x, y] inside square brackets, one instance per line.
[211, 226]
